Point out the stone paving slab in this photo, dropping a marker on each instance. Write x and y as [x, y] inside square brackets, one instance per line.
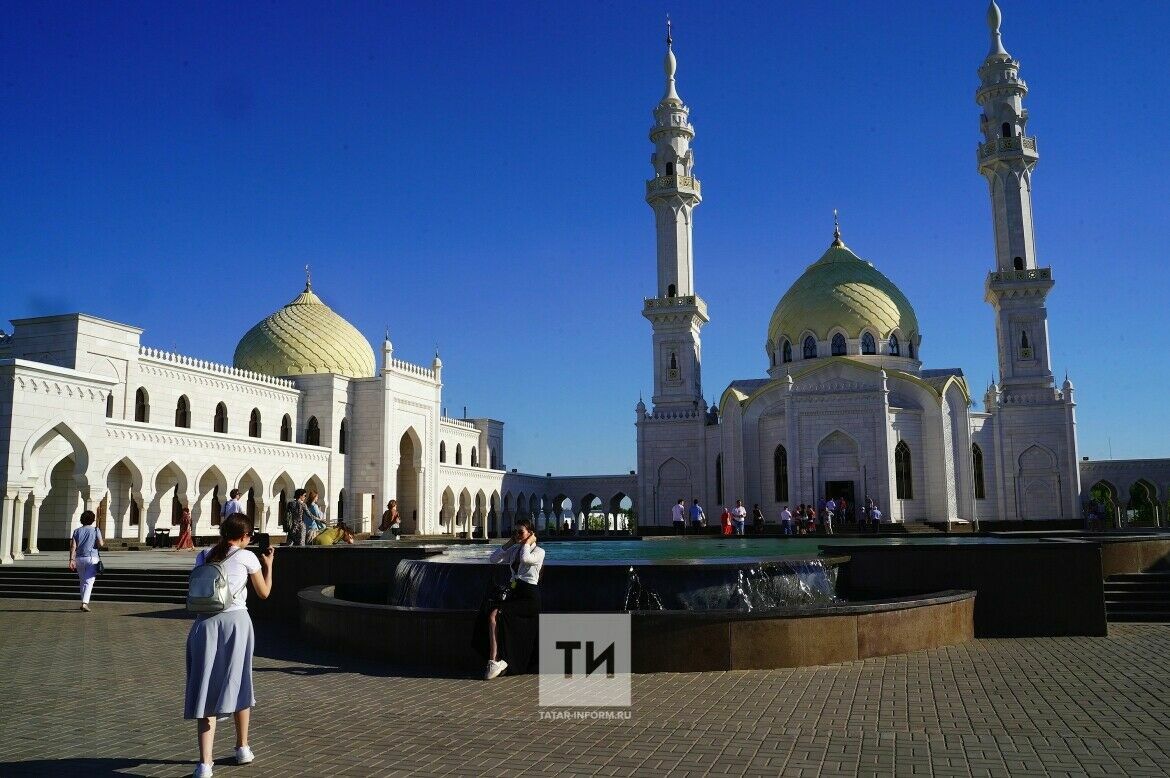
[101, 694]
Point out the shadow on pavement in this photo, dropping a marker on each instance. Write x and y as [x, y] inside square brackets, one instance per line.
[82, 766]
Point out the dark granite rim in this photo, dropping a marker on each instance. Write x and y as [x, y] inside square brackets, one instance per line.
[323, 596]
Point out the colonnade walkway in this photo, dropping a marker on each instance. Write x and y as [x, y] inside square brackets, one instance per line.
[101, 694]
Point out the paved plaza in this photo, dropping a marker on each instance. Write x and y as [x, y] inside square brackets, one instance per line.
[75, 703]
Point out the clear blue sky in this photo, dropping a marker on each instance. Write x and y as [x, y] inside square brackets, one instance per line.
[472, 176]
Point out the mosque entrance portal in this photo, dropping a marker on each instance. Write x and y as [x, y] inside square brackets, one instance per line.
[839, 489]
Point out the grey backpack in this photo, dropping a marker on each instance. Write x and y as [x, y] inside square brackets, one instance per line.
[207, 588]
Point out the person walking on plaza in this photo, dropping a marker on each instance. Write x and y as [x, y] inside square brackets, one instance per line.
[739, 517]
[758, 519]
[830, 509]
[698, 518]
[314, 517]
[677, 518]
[83, 555]
[233, 505]
[186, 542]
[220, 645]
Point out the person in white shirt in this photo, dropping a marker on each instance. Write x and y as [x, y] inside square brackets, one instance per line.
[219, 645]
[677, 517]
[739, 517]
[233, 505]
[786, 521]
[506, 628]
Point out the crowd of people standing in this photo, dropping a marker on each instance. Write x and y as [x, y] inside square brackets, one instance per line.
[803, 519]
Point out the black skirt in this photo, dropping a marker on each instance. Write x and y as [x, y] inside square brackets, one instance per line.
[516, 628]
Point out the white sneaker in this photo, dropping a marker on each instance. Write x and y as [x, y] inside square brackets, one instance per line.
[494, 668]
[202, 770]
[244, 755]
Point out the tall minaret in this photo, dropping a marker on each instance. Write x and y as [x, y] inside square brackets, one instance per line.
[1017, 288]
[677, 313]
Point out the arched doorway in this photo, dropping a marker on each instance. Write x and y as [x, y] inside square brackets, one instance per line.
[447, 514]
[463, 520]
[838, 467]
[1143, 502]
[1104, 503]
[124, 484]
[407, 484]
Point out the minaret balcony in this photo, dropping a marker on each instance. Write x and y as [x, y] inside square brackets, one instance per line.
[668, 185]
[687, 303]
[1007, 284]
[1008, 147]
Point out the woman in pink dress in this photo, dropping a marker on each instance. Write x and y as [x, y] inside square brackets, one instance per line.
[186, 543]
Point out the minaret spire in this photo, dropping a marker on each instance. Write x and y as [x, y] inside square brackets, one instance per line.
[994, 18]
[1018, 285]
[670, 65]
[676, 312]
[837, 242]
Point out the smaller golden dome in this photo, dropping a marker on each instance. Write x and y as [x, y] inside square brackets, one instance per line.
[305, 337]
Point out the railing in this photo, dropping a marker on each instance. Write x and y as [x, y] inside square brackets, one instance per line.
[1014, 143]
[686, 183]
[1033, 274]
[457, 422]
[212, 367]
[413, 369]
[676, 302]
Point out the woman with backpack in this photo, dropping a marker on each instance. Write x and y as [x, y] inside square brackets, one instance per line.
[221, 641]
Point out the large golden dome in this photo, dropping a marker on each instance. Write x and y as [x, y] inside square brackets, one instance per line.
[841, 290]
[303, 337]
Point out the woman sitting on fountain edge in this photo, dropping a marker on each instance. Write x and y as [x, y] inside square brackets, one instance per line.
[506, 630]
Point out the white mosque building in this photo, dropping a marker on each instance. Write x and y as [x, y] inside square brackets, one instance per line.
[93, 418]
[847, 407]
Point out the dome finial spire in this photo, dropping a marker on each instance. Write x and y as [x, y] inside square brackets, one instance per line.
[308, 278]
[837, 242]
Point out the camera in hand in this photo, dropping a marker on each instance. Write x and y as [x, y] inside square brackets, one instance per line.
[265, 541]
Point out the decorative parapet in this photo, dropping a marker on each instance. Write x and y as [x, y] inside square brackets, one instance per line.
[664, 304]
[457, 423]
[688, 184]
[674, 415]
[145, 352]
[1033, 274]
[412, 369]
[1015, 143]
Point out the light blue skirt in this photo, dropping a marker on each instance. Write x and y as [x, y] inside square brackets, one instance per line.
[219, 665]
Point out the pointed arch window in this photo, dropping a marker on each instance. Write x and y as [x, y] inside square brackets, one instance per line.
[719, 480]
[458, 453]
[343, 437]
[313, 432]
[895, 347]
[340, 504]
[810, 347]
[868, 344]
[474, 457]
[491, 458]
[903, 474]
[286, 429]
[110, 405]
[183, 412]
[838, 345]
[254, 425]
[670, 291]
[442, 451]
[786, 351]
[141, 405]
[910, 346]
[977, 472]
[221, 418]
[1018, 263]
[780, 473]
[771, 356]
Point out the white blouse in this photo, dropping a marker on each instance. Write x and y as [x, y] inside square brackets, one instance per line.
[530, 557]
